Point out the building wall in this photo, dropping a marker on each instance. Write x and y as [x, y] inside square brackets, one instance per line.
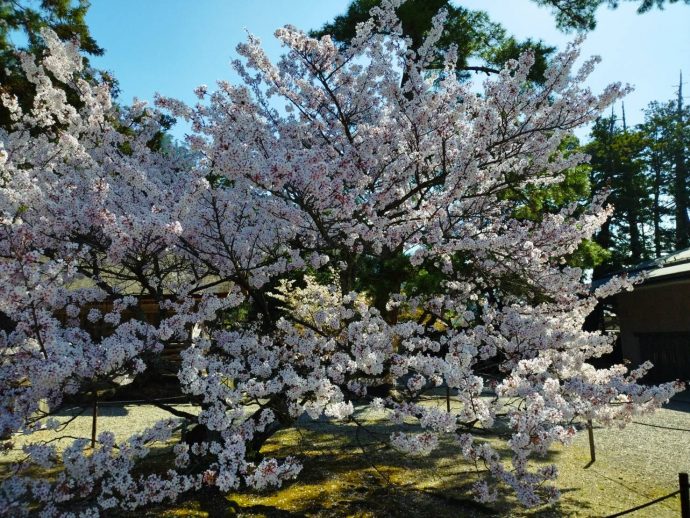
[659, 312]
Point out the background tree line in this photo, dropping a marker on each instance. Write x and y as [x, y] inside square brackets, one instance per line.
[645, 169]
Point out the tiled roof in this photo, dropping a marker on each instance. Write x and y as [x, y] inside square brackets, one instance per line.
[668, 267]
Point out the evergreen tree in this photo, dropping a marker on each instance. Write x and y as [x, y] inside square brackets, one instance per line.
[667, 135]
[617, 165]
[679, 147]
[581, 14]
[21, 22]
[483, 46]
[646, 171]
[658, 133]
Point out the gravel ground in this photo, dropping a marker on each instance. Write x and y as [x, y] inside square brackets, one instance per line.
[633, 466]
[122, 420]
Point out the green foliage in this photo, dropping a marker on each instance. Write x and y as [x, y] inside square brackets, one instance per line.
[380, 278]
[645, 171]
[575, 188]
[22, 20]
[62, 16]
[510, 48]
[580, 15]
[533, 202]
[476, 36]
[589, 255]
[668, 133]
[617, 166]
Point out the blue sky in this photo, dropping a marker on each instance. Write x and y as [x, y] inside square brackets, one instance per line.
[172, 46]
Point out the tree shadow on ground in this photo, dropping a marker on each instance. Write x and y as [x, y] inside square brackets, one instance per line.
[349, 472]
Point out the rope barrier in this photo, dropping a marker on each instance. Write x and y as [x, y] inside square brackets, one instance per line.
[664, 427]
[683, 491]
[652, 502]
[131, 401]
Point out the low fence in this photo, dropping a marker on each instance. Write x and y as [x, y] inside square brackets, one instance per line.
[683, 491]
[683, 484]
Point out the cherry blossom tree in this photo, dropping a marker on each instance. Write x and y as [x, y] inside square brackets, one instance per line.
[305, 179]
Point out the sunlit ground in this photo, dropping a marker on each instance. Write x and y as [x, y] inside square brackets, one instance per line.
[349, 471]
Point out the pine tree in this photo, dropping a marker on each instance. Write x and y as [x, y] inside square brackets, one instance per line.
[617, 165]
[580, 15]
[680, 182]
[23, 20]
[657, 153]
[667, 134]
[483, 46]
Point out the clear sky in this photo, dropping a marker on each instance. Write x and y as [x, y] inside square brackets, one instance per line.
[172, 46]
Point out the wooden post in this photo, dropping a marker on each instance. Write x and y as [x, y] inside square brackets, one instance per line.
[94, 419]
[447, 398]
[590, 433]
[684, 495]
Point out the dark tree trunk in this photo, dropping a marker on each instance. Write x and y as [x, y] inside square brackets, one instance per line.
[603, 239]
[681, 178]
[633, 217]
[636, 245]
[283, 419]
[656, 208]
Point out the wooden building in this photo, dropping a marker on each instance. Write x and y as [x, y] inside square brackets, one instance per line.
[654, 318]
